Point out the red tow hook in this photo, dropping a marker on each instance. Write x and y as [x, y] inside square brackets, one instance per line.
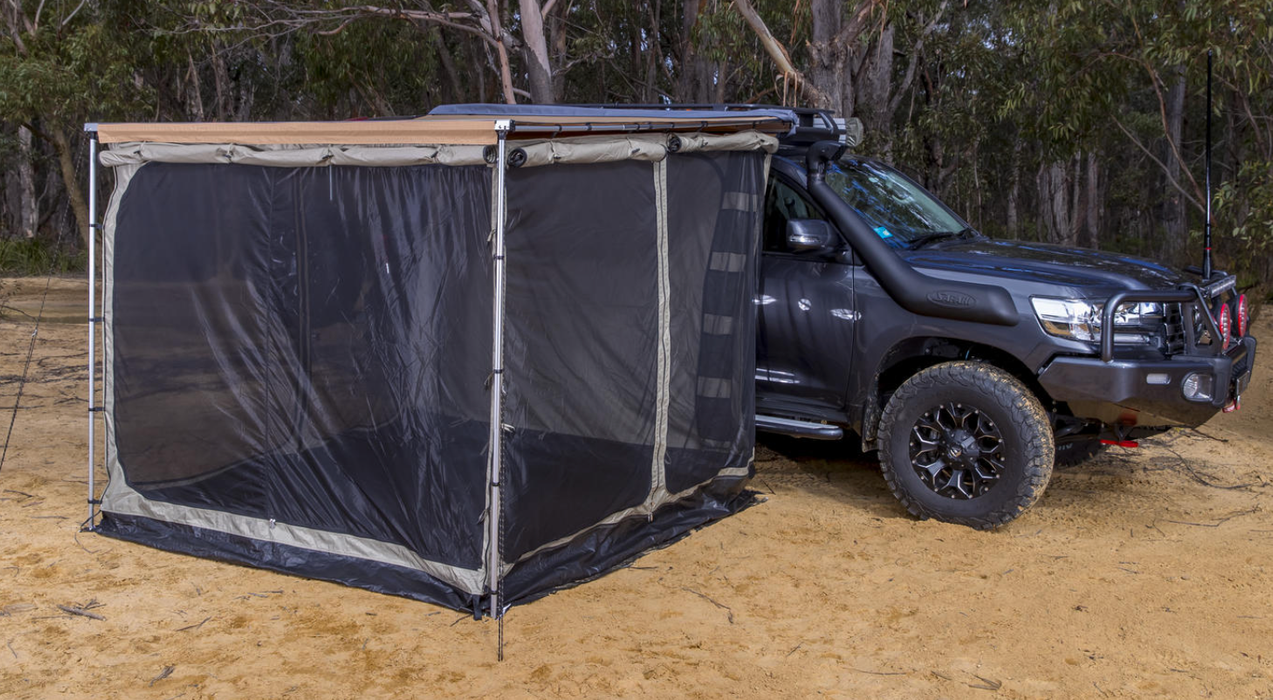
[1120, 443]
[1233, 405]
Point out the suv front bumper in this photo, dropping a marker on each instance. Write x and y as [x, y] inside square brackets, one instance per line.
[1120, 392]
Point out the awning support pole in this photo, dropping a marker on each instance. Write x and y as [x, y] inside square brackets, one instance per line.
[93, 318]
[502, 128]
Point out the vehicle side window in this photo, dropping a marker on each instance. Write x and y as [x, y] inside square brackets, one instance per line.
[783, 203]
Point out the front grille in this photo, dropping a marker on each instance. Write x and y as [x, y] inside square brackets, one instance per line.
[1174, 326]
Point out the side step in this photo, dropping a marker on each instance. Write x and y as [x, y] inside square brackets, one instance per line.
[798, 428]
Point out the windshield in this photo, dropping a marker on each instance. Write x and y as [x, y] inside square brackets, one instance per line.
[899, 210]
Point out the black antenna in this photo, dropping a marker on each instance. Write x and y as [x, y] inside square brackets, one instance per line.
[1206, 242]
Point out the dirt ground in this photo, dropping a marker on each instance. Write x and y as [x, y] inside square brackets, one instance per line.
[1145, 573]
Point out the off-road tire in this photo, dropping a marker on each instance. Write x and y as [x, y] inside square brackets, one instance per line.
[1075, 452]
[1029, 450]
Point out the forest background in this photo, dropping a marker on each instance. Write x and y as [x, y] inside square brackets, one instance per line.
[1078, 122]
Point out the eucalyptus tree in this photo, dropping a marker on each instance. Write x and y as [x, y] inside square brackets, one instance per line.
[60, 64]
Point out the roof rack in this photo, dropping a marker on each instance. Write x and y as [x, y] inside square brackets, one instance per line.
[812, 125]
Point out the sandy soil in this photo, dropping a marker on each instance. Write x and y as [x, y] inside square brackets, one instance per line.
[1145, 573]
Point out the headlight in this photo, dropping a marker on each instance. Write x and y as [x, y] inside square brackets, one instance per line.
[1134, 323]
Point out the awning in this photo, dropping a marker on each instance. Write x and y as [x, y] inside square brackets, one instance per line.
[450, 129]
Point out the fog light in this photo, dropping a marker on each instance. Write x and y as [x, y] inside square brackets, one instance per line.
[1157, 378]
[1198, 386]
[1243, 317]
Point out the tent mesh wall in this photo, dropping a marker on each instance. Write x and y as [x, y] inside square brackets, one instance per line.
[298, 362]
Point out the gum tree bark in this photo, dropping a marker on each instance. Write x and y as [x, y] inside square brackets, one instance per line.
[28, 211]
[538, 63]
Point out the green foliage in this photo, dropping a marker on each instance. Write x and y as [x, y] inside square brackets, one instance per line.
[1244, 209]
[61, 74]
[37, 257]
[997, 93]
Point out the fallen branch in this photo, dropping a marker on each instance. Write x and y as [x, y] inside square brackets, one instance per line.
[162, 675]
[79, 611]
[881, 673]
[1208, 436]
[986, 683]
[193, 627]
[1199, 478]
[728, 610]
[1219, 522]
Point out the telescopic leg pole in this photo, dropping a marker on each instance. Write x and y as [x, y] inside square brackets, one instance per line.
[93, 318]
[502, 128]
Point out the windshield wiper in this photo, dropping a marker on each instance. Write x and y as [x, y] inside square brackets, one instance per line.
[921, 241]
[917, 243]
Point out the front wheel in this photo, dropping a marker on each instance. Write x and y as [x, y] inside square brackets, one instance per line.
[966, 443]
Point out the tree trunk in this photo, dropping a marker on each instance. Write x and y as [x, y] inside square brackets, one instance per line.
[472, 53]
[221, 80]
[872, 84]
[194, 98]
[1014, 189]
[829, 57]
[1054, 210]
[654, 56]
[538, 64]
[1091, 229]
[29, 210]
[501, 51]
[718, 88]
[1173, 212]
[557, 39]
[452, 91]
[1076, 221]
[691, 83]
[74, 189]
[778, 53]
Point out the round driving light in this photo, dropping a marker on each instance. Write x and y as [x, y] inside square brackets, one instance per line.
[1226, 325]
[1197, 386]
[1242, 316]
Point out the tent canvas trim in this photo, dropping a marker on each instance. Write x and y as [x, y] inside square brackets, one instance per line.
[124, 500]
[576, 149]
[293, 561]
[658, 477]
[413, 131]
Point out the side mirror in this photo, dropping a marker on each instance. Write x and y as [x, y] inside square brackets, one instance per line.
[809, 234]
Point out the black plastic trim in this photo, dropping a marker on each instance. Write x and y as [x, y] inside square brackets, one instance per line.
[1122, 383]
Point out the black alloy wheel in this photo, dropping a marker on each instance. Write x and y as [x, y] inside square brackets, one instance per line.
[957, 451]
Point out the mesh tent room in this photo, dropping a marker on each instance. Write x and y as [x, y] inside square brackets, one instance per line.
[308, 327]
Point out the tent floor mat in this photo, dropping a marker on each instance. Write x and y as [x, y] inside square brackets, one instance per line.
[286, 559]
[599, 551]
[592, 555]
